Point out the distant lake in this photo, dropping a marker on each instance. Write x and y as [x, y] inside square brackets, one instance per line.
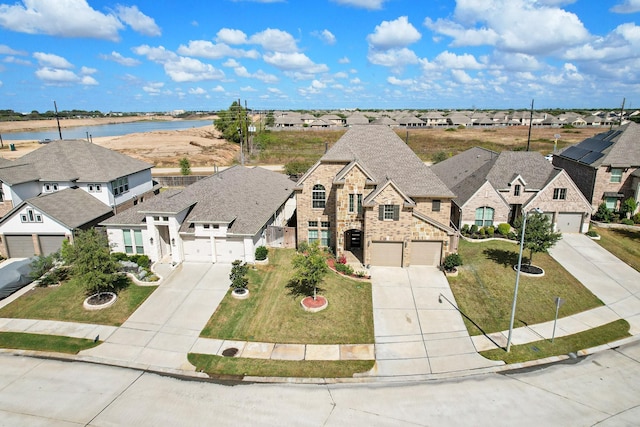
[117, 129]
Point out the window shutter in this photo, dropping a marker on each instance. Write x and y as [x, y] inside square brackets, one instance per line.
[396, 212]
[381, 212]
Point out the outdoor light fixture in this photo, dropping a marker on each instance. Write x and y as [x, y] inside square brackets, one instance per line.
[151, 240]
[515, 291]
[173, 241]
[440, 298]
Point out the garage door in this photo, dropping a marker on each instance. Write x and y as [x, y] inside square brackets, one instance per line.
[20, 246]
[387, 254]
[51, 244]
[569, 222]
[229, 250]
[425, 253]
[197, 249]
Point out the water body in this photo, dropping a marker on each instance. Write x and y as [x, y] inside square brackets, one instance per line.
[117, 129]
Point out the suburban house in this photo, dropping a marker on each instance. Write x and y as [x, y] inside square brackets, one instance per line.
[606, 167]
[39, 225]
[115, 179]
[371, 196]
[64, 186]
[494, 188]
[221, 218]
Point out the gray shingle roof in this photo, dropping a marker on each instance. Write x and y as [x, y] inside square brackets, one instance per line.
[15, 173]
[530, 165]
[386, 156]
[70, 160]
[72, 207]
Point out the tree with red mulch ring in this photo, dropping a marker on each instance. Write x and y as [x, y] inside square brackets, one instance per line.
[310, 268]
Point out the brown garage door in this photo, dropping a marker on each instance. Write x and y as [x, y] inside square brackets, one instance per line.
[425, 253]
[569, 222]
[20, 246]
[50, 244]
[386, 254]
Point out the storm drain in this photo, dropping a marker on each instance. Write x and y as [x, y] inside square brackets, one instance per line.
[230, 352]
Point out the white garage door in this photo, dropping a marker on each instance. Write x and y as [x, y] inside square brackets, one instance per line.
[197, 249]
[50, 244]
[569, 222]
[387, 254]
[229, 250]
[425, 253]
[20, 246]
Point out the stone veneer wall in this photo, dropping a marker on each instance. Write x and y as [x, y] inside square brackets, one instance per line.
[354, 184]
[485, 196]
[603, 184]
[574, 201]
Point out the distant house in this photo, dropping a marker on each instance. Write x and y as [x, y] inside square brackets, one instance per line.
[371, 196]
[494, 188]
[220, 218]
[606, 166]
[357, 119]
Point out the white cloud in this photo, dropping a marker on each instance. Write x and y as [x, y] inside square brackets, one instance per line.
[294, 62]
[218, 89]
[326, 36]
[275, 40]
[398, 82]
[64, 18]
[230, 36]
[61, 77]
[622, 43]
[153, 88]
[137, 20]
[51, 60]
[343, 60]
[394, 34]
[393, 58]
[180, 68]
[248, 89]
[14, 60]
[364, 4]
[464, 61]
[460, 76]
[341, 75]
[86, 70]
[627, 6]
[197, 91]
[206, 49]
[118, 58]
[155, 54]
[6, 50]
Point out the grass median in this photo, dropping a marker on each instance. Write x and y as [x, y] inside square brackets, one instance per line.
[53, 343]
[623, 243]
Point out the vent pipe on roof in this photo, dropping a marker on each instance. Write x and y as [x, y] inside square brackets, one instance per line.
[326, 146]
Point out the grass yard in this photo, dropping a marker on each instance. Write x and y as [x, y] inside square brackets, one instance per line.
[272, 314]
[624, 244]
[65, 303]
[564, 345]
[229, 366]
[22, 341]
[484, 288]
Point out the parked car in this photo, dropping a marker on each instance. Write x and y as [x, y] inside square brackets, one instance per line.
[15, 276]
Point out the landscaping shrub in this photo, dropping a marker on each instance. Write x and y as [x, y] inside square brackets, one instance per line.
[603, 214]
[626, 221]
[474, 229]
[142, 260]
[261, 253]
[119, 256]
[238, 275]
[636, 218]
[504, 229]
[465, 229]
[342, 260]
[491, 231]
[591, 233]
[482, 232]
[40, 266]
[628, 206]
[303, 247]
[452, 261]
[344, 269]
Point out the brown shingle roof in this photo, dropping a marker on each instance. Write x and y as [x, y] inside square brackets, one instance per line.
[72, 207]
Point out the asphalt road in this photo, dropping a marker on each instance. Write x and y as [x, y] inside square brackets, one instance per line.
[601, 389]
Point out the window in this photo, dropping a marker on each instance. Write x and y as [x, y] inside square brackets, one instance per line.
[325, 224]
[616, 175]
[559, 193]
[95, 188]
[389, 212]
[133, 246]
[435, 206]
[128, 244]
[156, 218]
[313, 223]
[313, 236]
[484, 216]
[324, 238]
[355, 202]
[516, 190]
[206, 226]
[165, 218]
[50, 186]
[216, 226]
[137, 239]
[120, 185]
[318, 197]
[30, 216]
[611, 203]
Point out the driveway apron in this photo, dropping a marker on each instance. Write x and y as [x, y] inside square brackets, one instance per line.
[611, 280]
[418, 329]
[165, 327]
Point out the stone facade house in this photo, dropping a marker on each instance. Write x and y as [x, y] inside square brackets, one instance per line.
[606, 166]
[371, 196]
[494, 188]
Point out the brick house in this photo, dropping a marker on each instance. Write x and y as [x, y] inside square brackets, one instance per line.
[370, 195]
[494, 188]
[606, 167]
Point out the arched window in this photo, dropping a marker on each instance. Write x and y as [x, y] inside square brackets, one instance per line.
[484, 216]
[318, 196]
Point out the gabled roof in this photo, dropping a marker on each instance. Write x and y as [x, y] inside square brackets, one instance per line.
[245, 198]
[71, 207]
[372, 196]
[386, 156]
[79, 160]
[15, 173]
[530, 165]
[618, 147]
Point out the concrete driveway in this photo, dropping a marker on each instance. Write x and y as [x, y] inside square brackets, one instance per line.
[610, 279]
[415, 333]
[165, 327]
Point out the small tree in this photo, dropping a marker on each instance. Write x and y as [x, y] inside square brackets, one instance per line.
[261, 253]
[603, 214]
[628, 207]
[185, 166]
[452, 261]
[238, 275]
[310, 269]
[538, 235]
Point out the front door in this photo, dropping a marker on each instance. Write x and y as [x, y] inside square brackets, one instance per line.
[353, 240]
[516, 211]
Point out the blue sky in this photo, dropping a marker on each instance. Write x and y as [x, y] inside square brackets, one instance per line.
[150, 55]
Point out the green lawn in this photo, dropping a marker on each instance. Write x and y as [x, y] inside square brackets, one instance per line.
[65, 303]
[484, 288]
[624, 244]
[570, 344]
[219, 366]
[272, 314]
[22, 341]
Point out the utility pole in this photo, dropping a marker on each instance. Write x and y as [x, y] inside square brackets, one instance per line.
[240, 130]
[57, 119]
[621, 111]
[530, 123]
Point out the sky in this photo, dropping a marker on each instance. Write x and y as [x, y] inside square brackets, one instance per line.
[150, 55]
